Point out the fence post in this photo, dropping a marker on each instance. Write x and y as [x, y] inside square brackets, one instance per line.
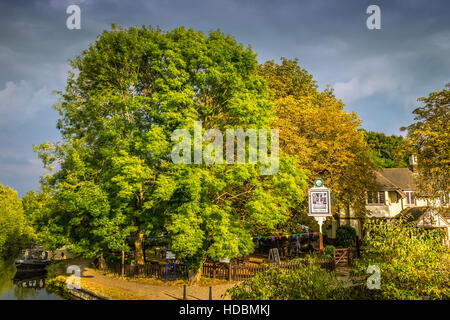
[167, 268]
[184, 292]
[210, 293]
[214, 270]
[229, 271]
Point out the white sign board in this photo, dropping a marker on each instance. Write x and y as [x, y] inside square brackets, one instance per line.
[225, 260]
[319, 202]
[170, 255]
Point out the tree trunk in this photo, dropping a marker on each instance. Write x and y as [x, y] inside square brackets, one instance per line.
[347, 214]
[101, 263]
[195, 275]
[139, 251]
[123, 263]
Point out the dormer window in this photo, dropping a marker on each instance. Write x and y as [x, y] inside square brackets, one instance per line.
[410, 198]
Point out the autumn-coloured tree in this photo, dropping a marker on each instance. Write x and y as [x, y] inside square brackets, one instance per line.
[323, 137]
[430, 136]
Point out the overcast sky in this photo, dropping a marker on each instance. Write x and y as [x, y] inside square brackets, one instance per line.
[378, 73]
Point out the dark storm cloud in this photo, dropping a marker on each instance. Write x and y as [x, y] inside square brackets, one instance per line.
[377, 73]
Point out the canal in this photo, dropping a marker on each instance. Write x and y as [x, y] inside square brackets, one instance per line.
[18, 286]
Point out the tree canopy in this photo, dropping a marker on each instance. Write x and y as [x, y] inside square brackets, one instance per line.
[430, 136]
[125, 96]
[388, 151]
[15, 231]
[315, 129]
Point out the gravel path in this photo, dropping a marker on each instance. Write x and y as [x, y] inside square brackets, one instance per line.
[157, 292]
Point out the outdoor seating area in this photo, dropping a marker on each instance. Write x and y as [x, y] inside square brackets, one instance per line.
[241, 268]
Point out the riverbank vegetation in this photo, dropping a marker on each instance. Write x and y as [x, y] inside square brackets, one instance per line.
[15, 230]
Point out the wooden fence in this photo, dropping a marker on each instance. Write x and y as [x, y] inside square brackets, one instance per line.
[149, 270]
[225, 271]
[239, 272]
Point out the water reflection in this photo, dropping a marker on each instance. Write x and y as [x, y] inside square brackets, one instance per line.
[22, 285]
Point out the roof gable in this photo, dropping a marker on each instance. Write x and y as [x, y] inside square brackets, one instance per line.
[431, 219]
[425, 217]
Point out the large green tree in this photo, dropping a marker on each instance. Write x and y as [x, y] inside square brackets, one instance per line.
[126, 95]
[15, 231]
[430, 136]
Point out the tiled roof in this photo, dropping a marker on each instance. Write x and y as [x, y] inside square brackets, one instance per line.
[395, 179]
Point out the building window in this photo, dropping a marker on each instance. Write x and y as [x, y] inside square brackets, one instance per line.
[376, 197]
[410, 198]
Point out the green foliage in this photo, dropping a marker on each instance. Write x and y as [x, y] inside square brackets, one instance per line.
[429, 135]
[388, 151]
[329, 250]
[413, 262]
[7, 272]
[345, 236]
[126, 95]
[308, 282]
[37, 208]
[15, 232]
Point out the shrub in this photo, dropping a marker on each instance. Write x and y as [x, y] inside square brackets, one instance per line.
[413, 262]
[345, 236]
[302, 283]
[329, 250]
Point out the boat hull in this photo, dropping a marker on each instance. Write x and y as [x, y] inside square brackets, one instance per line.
[30, 267]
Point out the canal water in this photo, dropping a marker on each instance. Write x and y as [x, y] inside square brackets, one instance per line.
[18, 286]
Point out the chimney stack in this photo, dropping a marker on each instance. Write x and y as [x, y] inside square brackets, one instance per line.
[413, 163]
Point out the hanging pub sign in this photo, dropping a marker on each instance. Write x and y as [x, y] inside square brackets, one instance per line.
[319, 200]
[319, 205]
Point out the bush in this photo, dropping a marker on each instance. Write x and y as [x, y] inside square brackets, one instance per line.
[329, 250]
[303, 283]
[345, 236]
[413, 262]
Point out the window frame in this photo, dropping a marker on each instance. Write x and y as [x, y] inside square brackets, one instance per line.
[410, 195]
[378, 198]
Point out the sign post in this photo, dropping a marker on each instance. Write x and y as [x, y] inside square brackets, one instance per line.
[167, 268]
[171, 256]
[319, 205]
